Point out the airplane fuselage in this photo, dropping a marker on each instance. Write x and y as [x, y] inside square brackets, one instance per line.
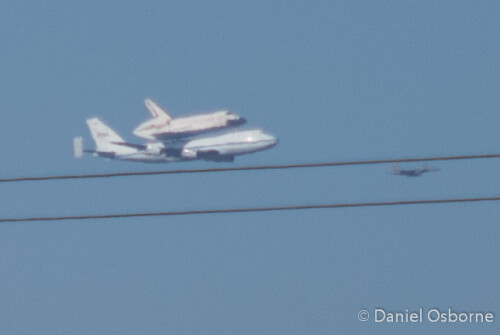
[411, 173]
[215, 148]
[414, 173]
[235, 143]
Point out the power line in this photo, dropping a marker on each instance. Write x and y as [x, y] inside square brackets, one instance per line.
[248, 168]
[248, 210]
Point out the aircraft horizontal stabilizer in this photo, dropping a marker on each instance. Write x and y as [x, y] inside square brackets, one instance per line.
[78, 147]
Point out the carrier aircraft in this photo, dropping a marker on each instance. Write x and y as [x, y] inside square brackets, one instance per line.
[217, 148]
[163, 127]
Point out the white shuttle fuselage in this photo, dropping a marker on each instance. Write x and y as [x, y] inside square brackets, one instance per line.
[163, 127]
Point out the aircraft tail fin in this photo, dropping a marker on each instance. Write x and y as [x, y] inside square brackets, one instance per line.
[156, 110]
[105, 138]
[395, 168]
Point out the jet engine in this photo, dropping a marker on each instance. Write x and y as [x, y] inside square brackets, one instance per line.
[156, 148]
[188, 153]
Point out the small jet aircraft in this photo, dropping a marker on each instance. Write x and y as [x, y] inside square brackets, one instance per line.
[163, 127]
[219, 148]
[412, 173]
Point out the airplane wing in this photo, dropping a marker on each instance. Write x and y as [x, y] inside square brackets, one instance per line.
[156, 110]
[131, 145]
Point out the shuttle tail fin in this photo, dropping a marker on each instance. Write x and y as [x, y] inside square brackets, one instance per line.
[156, 110]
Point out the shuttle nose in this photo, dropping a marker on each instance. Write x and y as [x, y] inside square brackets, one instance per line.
[238, 122]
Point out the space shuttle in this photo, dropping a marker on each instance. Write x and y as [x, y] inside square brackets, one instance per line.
[162, 127]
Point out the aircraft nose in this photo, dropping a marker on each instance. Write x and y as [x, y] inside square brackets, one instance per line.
[273, 140]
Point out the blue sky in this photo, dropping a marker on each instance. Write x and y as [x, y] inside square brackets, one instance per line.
[335, 81]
